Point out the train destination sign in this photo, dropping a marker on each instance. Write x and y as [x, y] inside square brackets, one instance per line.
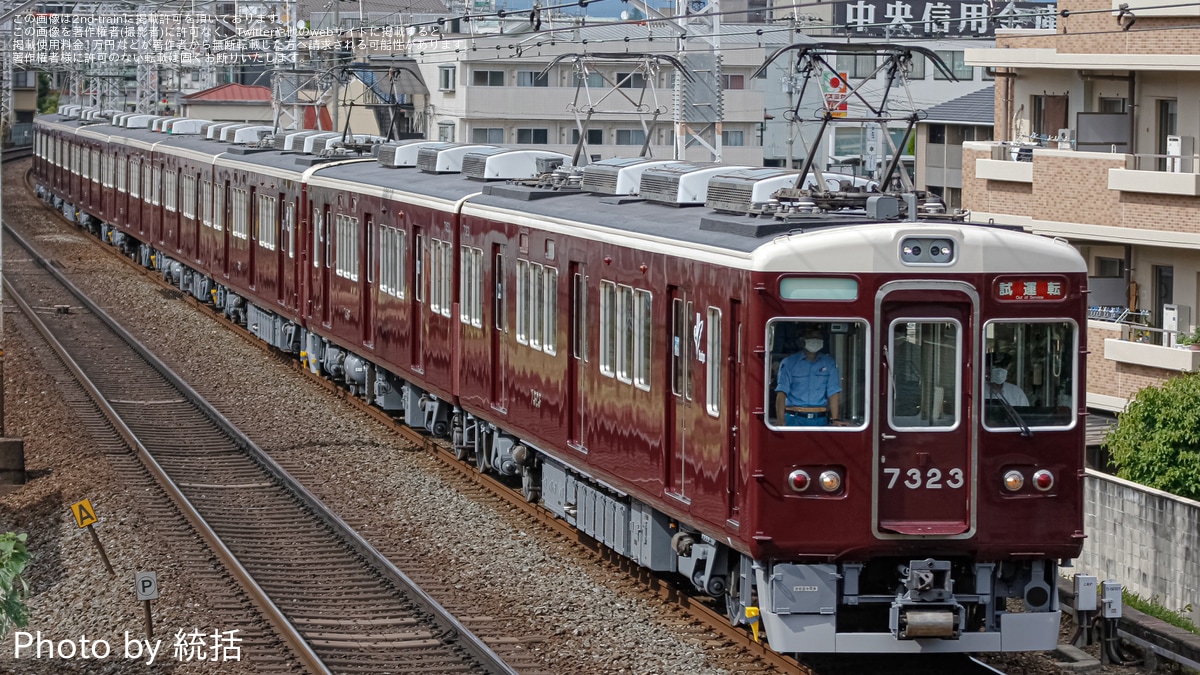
[1030, 289]
[939, 18]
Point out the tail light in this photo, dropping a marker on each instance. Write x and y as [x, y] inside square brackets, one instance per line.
[1043, 480]
[798, 480]
[1013, 480]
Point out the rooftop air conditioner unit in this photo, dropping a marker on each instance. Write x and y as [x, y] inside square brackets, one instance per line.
[748, 190]
[316, 143]
[446, 158]
[681, 183]
[618, 175]
[507, 163]
[404, 153]
[251, 134]
[139, 121]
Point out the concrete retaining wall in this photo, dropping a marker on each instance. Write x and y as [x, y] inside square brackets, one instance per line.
[1147, 539]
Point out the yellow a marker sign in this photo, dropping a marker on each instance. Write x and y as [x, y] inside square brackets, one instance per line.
[84, 513]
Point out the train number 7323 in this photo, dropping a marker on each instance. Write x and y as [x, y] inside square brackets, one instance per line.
[931, 480]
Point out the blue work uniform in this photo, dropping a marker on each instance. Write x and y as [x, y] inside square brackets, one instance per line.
[808, 384]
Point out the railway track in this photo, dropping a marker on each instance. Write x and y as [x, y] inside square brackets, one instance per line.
[335, 602]
[722, 636]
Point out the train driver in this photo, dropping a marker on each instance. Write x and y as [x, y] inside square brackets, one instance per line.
[809, 385]
[998, 386]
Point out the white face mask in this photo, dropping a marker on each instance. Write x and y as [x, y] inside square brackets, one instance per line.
[814, 344]
[999, 375]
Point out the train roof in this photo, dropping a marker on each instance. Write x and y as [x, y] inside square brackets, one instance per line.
[848, 242]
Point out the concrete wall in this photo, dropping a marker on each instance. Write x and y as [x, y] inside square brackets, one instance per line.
[1146, 539]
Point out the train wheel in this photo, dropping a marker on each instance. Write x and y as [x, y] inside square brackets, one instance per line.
[531, 488]
[461, 453]
[483, 459]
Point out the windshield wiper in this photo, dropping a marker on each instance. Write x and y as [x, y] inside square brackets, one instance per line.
[1014, 415]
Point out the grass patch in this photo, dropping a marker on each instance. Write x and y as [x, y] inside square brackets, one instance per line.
[1155, 608]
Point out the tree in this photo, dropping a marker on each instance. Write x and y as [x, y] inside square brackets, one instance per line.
[1156, 441]
[13, 587]
[47, 101]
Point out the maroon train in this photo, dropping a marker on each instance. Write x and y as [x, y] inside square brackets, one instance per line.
[619, 357]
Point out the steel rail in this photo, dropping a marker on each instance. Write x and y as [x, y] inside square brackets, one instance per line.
[471, 643]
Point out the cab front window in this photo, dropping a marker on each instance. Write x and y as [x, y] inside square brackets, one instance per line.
[1029, 369]
[817, 373]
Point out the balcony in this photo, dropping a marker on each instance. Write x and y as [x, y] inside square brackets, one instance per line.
[1158, 174]
[1099, 196]
[1150, 355]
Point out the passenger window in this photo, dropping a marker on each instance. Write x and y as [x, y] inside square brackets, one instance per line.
[1030, 366]
[817, 373]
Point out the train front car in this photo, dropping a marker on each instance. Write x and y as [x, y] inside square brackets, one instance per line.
[915, 467]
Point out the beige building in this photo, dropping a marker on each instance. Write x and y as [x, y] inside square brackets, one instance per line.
[1120, 180]
[493, 91]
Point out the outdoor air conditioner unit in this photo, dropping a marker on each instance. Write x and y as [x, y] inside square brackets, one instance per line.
[1066, 139]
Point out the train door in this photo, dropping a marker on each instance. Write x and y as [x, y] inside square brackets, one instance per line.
[925, 454]
[578, 358]
[255, 227]
[680, 408]
[417, 317]
[282, 243]
[733, 404]
[325, 271]
[500, 329]
[367, 290]
[225, 210]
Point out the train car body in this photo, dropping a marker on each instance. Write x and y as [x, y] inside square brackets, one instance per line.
[621, 359]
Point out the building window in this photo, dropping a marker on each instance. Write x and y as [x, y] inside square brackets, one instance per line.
[593, 81]
[733, 138]
[488, 78]
[937, 133]
[532, 78]
[447, 77]
[267, 214]
[539, 136]
[631, 137]
[734, 81]
[956, 63]
[446, 132]
[856, 65]
[631, 80]
[1112, 105]
[917, 67]
[594, 136]
[1110, 268]
[487, 135]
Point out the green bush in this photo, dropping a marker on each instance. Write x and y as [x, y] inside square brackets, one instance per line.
[1156, 441]
[13, 588]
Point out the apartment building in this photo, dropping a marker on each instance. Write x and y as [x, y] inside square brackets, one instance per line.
[1095, 127]
[496, 89]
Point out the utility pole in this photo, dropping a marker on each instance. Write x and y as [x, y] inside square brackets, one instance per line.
[699, 101]
[791, 91]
